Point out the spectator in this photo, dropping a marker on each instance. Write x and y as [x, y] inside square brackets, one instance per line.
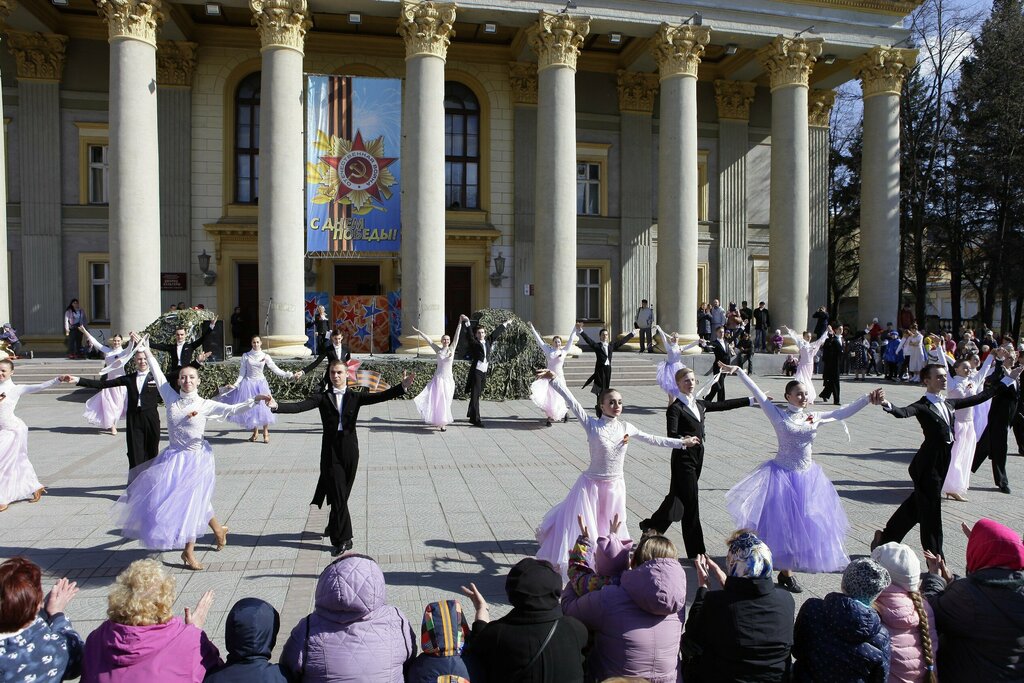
[762, 319]
[9, 336]
[717, 314]
[637, 624]
[74, 320]
[353, 634]
[789, 365]
[875, 330]
[321, 328]
[745, 352]
[907, 616]
[533, 643]
[442, 636]
[747, 315]
[743, 632]
[893, 356]
[250, 634]
[980, 618]
[840, 638]
[142, 640]
[821, 322]
[733, 323]
[949, 343]
[37, 642]
[237, 330]
[704, 322]
[644, 321]
[777, 341]
[905, 318]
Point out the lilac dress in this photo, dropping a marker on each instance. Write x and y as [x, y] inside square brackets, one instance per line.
[251, 382]
[108, 406]
[434, 403]
[805, 363]
[18, 479]
[541, 393]
[965, 436]
[673, 362]
[600, 491]
[169, 500]
[788, 500]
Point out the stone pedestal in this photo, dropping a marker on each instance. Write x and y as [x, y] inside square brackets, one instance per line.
[733, 99]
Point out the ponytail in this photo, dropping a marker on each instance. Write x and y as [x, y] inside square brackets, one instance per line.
[926, 637]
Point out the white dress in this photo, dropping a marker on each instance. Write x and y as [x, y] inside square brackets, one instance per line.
[965, 436]
[541, 392]
[913, 348]
[108, 406]
[434, 403]
[17, 477]
[251, 382]
[600, 491]
[805, 362]
[673, 363]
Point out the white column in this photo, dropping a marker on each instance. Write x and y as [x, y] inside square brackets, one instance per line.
[819, 109]
[733, 100]
[523, 79]
[425, 27]
[134, 163]
[881, 73]
[556, 39]
[677, 51]
[5, 267]
[788, 62]
[282, 27]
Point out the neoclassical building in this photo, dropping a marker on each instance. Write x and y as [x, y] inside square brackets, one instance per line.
[564, 162]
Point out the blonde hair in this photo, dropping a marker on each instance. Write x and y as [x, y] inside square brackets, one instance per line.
[652, 548]
[142, 595]
[927, 649]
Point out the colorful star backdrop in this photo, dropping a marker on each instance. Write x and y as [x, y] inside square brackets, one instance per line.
[361, 317]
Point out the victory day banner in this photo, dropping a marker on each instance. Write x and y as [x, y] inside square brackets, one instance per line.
[353, 172]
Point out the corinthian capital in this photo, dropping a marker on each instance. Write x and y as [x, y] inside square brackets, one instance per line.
[819, 107]
[637, 90]
[556, 38]
[882, 70]
[789, 60]
[38, 56]
[131, 19]
[281, 23]
[734, 99]
[426, 27]
[523, 77]
[175, 62]
[678, 49]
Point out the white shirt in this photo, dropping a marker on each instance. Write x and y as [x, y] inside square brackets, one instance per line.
[607, 360]
[483, 365]
[140, 382]
[339, 397]
[944, 409]
[338, 354]
[181, 361]
[690, 405]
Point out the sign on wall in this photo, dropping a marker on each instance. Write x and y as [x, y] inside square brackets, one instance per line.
[353, 170]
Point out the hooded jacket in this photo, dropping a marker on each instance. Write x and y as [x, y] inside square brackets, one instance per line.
[250, 633]
[637, 624]
[48, 649]
[900, 617]
[170, 652]
[442, 636]
[839, 639]
[352, 635]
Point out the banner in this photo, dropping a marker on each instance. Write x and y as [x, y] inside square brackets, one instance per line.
[363, 318]
[353, 170]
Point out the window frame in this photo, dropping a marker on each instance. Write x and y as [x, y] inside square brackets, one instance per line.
[104, 167]
[91, 133]
[595, 153]
[253, 151]
[464, 159]
[703, 186]
[604, 287]
[86, 261]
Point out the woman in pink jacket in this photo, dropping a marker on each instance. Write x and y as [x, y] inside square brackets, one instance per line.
[907, 616]
[142, 641]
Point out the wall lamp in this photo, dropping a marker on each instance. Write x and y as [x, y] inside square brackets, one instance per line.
[499, 270]
[615, 38]
[209, 277]
[213, 9]
[731, 49]
[490, 27]
[355, 18]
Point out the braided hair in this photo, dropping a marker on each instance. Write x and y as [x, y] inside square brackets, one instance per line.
[926, 636]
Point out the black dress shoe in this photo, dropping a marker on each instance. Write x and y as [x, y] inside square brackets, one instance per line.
[1005, 488]
[876, 540]
[789, 583]
[343, 548]
[478, 423]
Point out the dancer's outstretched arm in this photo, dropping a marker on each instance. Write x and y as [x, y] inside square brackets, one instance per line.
[430, 343]
[167, 393]
[276, 370]
[544, 346]
[93, 342]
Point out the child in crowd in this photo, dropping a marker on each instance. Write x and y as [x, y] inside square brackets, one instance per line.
[442, 637]
[776, 342]
[789, 366]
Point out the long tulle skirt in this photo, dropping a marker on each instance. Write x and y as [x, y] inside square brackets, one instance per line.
[259, 414]
[18, 479]
[958, 476]
[796, 512]
[168, 503]
[667, 376]
[107, 407]
[435, 401]
[598, 500]
[804, 376]
[548, 400]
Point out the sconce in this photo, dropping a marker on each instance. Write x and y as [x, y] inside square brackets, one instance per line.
[209, 277]
[499, 269]
[309, 276]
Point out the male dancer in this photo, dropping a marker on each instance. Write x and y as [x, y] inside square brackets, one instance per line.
[723, 356]
[603, 350]
[685, 417]
[992, 443]
[336, 350]
[928, 468]
[339, 448]
[831, 353]
[143, 416]
[481, 345]
[181, 352]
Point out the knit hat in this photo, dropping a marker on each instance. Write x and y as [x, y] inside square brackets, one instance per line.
[864, 579]
[994, 545]
[534, 585]
[902, 563]
[748, 556]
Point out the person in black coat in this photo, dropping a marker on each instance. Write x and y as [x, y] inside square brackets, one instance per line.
[831, 355]
[481, 345]
[534, 642]
[237, 330]
[181, 352]
[1005, 406]
[743, 632]
[336, 350]
[723, 356]
[685, 417]
[931, 462]
[603, 352]
[250, 633]
[142, 415]
[820, 322]
[339, 448]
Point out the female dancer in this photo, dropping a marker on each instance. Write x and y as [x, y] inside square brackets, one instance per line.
[251, 382]
[17, 477]
[788, 500]
[435, 401]
[805, 363]
[168, 503]
[673, 363]
[109, 405]
[912, 347]
[599, 493]
[540, 391]
[966, 381]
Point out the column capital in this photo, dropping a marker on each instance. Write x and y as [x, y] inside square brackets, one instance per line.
[6, 7]
[426, 27]
[131, 19]
[637, 90]
[734, 99]
[819, 107]
[38, 56]
[281, 23]
[556, 39]
[175, 62]
[789, 60]
[882, 70]
[523, 77]
[677, 49]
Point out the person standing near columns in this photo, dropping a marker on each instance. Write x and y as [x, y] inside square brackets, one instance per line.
[644, 321]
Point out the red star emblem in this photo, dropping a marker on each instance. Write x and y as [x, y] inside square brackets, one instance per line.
[358, 169]
[311, 305]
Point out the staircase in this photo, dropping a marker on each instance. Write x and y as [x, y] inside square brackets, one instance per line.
[628, 369]
[34, 371]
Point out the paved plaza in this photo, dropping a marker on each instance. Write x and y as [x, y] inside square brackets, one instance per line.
[436, 510]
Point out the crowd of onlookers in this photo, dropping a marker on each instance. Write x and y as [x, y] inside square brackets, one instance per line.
[622, 615]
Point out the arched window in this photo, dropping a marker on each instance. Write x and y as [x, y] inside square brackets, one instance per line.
[247, 140]
[461, 147]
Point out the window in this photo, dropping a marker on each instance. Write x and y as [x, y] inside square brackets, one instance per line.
[702, 185]
[588, 294]
[99, 290]
[99, 170]
[461, 147]
[588, 188]
[247, 140]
